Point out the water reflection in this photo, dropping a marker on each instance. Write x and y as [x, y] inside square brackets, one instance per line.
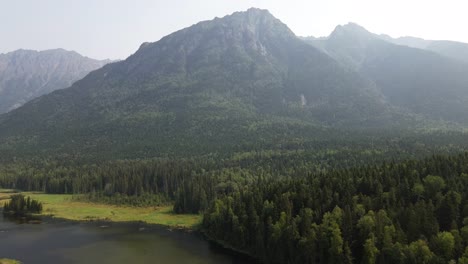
[54, 241]
[23, 219]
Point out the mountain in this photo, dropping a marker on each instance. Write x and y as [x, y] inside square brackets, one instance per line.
[412, 42]
[451, 49]
[416, 80]
[238, 82]
[27, 74]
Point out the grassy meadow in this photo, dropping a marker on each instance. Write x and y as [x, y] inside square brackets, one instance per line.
[63, 206]
[9, 261]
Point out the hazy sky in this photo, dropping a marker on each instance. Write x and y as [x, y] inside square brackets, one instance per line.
[116, 28]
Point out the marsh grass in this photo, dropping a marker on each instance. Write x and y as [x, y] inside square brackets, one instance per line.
[64, 206]
[9, 261]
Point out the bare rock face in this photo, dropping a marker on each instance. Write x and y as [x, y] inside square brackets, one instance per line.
[27, 74]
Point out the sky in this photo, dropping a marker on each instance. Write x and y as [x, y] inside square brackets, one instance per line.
[115, 29]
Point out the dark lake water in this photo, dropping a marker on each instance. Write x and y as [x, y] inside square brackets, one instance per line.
[56, 241]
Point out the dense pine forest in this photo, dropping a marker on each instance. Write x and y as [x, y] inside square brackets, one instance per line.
[408, 212]
[289, 206]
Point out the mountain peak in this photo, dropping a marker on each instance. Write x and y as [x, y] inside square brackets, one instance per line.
[252, 12]
[355, 26]
[257, 11]
[254, 31]
[29, 52]
[252, 18]
[261, 19]
[351, 29]
[27, 74]
[255, 18]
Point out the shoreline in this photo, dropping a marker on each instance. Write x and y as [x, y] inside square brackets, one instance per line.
[228, 248]
[53, 214]
[141, 226]
[106, 223]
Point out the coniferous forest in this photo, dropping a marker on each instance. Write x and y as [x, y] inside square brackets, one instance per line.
[21, 206]
[408, 212]
[282, 209]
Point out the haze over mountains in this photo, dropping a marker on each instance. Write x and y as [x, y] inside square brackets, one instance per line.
[451, 49]
[27, 74]
[416, 80]
[241, 81]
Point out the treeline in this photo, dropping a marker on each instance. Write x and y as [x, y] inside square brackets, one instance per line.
[409, 212]
[162, 181]
[165, 175]
[19, 205]
[131, 182]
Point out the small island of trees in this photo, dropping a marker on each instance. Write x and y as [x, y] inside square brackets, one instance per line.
[19, 205]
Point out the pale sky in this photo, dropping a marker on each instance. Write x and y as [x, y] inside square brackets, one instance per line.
[115, 28]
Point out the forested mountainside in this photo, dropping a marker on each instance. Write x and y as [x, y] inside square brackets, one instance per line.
[239, 83]
[242, 79]
[27, 74]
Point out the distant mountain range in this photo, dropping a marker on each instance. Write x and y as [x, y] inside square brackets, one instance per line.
[419, 81]
[27, 74]
[451, 49]
[240, 82]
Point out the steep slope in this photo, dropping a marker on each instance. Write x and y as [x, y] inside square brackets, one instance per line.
[27, 74]
[420, 81]
[241, 81]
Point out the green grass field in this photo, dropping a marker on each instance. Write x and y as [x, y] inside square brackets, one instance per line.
[9, 261]
[63, 206]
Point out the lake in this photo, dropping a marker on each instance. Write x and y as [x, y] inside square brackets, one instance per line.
[55, 241]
